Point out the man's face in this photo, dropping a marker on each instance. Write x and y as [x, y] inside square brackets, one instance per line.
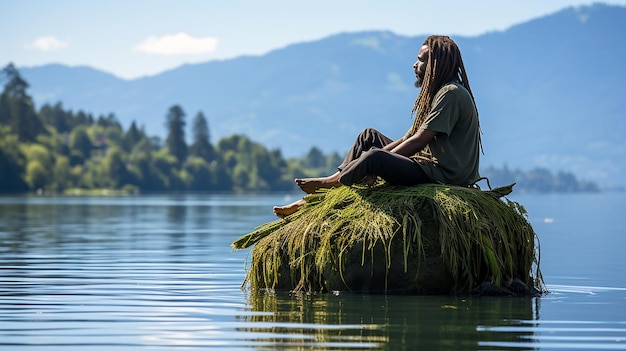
[420, 65]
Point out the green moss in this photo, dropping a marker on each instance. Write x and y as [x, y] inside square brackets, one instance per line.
[428, 238]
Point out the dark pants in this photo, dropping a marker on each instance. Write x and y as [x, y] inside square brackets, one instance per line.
[367, 157]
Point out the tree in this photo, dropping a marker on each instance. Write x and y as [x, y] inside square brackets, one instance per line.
[56, 117]
[61, 173]
[315, 158]
[39, 165]
[12, 164]
[80, 142]
[251, 166]
[38, 152]
[37, 176]
[19, 106]
[200, 173]
[201, 146]
[268, 167]
[115, 168]
[165, 168]
[143, 170]
[332, 161]
[15, 86]
[82, 119]
[175, 141]
[5, 110]
[132, 137]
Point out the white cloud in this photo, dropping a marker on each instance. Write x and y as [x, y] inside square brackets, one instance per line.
[177, 44]
[49, 43]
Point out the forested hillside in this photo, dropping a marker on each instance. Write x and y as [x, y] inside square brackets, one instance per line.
[54, 149]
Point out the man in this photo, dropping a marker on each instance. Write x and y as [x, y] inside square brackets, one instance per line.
[442, 146]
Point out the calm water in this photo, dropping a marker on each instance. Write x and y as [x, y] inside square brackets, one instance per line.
[157, 273]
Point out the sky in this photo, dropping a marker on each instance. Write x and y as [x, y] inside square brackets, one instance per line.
[135, 38]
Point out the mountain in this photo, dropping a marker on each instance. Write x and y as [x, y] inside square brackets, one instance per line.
[547, 90]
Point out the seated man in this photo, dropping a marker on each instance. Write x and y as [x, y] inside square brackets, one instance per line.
[442, 146]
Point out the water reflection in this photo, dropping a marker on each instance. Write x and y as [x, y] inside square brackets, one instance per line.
[157, 272]
[389, 322]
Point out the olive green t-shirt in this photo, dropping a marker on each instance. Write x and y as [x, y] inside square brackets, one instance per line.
[456, 146]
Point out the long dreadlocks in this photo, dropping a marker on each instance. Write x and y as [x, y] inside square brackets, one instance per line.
[444, 65]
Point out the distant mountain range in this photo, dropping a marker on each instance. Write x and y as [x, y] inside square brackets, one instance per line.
[549, 92]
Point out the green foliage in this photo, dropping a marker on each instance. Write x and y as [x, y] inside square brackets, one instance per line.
[80, 143]
[199, 175]
[62, 176]
[314, 164]
[54, 142]
[39, 163]
[64, 121]
[37, 152]
[37, 176]
[114, 169]
[251, 166]
[165, 166]
[12, 164]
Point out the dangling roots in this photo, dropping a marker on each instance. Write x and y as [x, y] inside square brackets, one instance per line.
[425, 239]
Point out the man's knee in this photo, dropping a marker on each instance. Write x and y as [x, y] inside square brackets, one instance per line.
[375, 155]
[367, 133]
[370, 136]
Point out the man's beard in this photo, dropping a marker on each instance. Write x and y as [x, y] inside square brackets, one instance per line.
[418, 82]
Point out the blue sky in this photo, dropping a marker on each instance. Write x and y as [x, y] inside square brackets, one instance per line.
[134, 38]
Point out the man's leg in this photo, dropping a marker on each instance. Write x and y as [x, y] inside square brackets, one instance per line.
[286, 210]
[367, 139]
[393, 168]
[311, 185]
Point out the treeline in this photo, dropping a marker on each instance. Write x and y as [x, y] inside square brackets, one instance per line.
[55, 150]
[538, 180]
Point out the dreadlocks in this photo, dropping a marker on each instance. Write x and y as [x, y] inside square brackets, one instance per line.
[444, 65]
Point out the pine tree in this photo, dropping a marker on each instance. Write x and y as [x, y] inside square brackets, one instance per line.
[23, 118]
[201, 146]
[5, 110]
[80, 144]
[55, 116]
[132, 137]
[315, 158]
[175, 141]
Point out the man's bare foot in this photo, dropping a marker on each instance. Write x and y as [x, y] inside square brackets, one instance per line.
[311, 185]
[284, 211]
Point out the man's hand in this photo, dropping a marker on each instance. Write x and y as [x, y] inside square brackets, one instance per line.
[415, 143]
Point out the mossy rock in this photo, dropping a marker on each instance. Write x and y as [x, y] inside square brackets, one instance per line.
[363, 272]
[425, 239]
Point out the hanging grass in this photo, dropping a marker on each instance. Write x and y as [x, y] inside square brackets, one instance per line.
[424, 239]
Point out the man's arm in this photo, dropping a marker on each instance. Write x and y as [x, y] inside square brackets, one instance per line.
[412, 145]
[395, 143]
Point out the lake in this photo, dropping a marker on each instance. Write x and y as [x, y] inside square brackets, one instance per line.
[156, 272]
